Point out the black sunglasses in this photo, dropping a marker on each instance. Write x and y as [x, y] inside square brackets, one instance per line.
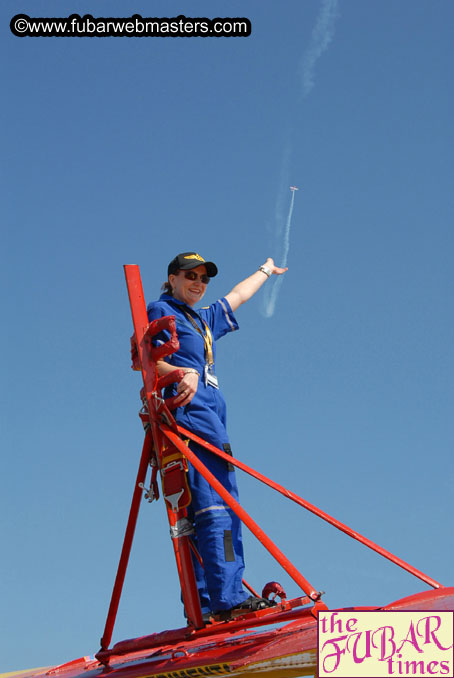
[191, 275]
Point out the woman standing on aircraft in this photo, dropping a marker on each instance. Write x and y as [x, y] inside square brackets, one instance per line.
[200, 407]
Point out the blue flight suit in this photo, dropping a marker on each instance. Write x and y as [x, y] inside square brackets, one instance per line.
[218, 530]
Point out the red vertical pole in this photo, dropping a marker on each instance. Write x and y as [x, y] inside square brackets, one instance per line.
[182, 550]
[150, 377]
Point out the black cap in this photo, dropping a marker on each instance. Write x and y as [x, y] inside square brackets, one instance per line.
[188, 260]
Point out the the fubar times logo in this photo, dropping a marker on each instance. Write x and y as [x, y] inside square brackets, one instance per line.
[359, 644]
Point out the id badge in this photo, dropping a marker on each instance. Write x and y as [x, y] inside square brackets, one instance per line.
[210, 378]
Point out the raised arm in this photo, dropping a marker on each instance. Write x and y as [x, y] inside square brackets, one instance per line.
[245, 289]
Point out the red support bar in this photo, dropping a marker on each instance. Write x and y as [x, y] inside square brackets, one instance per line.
[140, 322]
[250, 589]
[182, 551]
[168, 639]
[241, 513]
[310, 507]
[127, 543]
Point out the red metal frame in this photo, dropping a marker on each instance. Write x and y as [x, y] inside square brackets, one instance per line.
[145, 357]
[163, 434]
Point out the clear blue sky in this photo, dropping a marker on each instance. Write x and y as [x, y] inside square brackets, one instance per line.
[128, 150]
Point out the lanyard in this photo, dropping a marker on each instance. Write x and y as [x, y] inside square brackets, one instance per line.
[206, 336]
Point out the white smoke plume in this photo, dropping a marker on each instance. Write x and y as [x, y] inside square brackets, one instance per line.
[322, 35]
[272, 291]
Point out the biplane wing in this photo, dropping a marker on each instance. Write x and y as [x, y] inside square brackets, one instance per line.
[286, 652]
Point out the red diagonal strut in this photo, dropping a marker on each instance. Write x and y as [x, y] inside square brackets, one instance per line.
[127, 543]
[310, 507]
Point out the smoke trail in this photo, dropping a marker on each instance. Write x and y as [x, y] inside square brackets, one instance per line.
[272, 292]
[287, 231]
[321, 37]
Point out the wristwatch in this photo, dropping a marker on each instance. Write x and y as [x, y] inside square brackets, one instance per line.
[267, 271]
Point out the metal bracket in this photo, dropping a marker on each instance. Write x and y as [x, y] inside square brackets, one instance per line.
[182, 528]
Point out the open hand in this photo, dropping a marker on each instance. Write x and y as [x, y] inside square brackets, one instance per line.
[273, 268]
